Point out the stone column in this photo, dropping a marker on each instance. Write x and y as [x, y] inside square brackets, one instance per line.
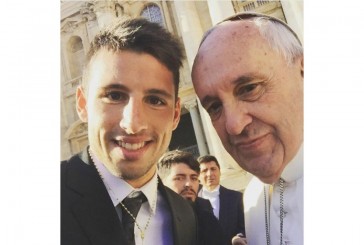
[220, 9]
[232, 176]
[90, 18]
[213, 141]
[190, 28]
[191, 106]
[293, 11]
[191, 32]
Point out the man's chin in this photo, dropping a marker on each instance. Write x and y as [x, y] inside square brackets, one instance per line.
[189, 197]
[268, 176]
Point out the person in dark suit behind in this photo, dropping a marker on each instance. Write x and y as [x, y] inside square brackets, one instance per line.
[129, 98]
[179, 171]
[227, 204]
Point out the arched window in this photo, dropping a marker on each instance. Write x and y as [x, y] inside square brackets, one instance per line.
[153, 13]
[76, 56]
[119, 10]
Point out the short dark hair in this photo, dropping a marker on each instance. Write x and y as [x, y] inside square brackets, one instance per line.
[177, 157]
[141, 36]
[208, 158]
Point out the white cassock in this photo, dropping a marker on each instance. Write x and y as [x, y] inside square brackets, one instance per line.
[254, 208]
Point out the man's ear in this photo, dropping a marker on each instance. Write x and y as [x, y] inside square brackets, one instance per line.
[302, 67]
[177, 113]
[81, 104]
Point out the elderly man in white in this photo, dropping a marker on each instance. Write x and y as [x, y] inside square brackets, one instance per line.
[248, 75]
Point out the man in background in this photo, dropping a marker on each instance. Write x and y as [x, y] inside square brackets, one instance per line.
[227, 204]
[179, 171]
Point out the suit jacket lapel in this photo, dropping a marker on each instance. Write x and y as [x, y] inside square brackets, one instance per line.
[94, 209]
[178, 229]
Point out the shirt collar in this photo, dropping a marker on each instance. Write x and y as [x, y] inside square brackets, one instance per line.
[120, 188]
[294, 169]
[214, 192]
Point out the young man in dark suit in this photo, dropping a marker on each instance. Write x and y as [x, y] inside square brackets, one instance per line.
[129, 98]
[179, 171]
[227, 204]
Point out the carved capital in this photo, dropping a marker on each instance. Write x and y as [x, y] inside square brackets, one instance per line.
[71, 24]
[77, 129]
[104, 6]
[190, 105]
[87, 11]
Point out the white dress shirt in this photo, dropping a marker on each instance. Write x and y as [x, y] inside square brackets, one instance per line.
[214, 197]
[159, 230]
[254, 207]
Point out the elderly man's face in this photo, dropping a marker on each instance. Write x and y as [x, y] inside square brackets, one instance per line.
[254, 98]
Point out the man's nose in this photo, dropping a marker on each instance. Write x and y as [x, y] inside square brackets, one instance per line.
[133, 117]
[208, 172]
[188, 182]
[236, 118]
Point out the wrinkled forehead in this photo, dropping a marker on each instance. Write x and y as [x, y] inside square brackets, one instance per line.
[252, 16]
[182, 169]
[229, 39]
[208, 165]
[230, 32]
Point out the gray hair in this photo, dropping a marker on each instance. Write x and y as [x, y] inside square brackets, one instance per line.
[279, 38]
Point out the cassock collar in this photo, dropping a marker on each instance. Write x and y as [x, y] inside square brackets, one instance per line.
[294, 169]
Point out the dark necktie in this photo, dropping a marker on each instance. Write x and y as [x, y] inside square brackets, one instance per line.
[133, 205]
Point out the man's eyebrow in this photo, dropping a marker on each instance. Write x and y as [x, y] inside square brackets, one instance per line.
[180, 175]
[155, 91]
[243, 79]
[161, 92]
[115, 86]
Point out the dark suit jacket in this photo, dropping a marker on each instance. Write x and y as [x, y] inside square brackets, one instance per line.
[88, 216]
[209, 229]
[231, 215]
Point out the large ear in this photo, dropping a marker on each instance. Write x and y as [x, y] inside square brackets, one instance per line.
[81, 104]
[177, 113]
[302, 66]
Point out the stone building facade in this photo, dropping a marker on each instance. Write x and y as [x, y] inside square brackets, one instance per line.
[188, 20]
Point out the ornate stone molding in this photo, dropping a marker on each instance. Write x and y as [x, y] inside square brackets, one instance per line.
[191, 104]
[69, 25]
[104, 6]
[87, 11]
[76, 129]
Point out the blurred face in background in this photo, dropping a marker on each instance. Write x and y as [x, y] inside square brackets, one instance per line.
[209, 175]
[183, 180]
